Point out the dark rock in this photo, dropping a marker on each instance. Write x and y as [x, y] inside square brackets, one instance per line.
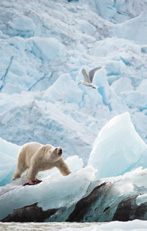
[30, 213]
[128, 210]
[83, 206]
[102, 204]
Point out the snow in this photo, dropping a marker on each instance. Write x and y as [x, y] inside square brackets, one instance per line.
[44, 46]
[132, 225]
[141, 199]
[136, 225]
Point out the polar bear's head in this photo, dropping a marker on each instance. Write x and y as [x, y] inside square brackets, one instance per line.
[55, 154]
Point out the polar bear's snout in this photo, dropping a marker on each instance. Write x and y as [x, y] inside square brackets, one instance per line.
[59, 151]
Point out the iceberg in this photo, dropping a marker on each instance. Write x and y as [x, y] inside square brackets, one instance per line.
[44, 46]
[55, 192]
[107, 190]
[117, 148]
[8, 155]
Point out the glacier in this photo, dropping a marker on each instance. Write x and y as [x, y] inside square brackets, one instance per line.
[44, 46]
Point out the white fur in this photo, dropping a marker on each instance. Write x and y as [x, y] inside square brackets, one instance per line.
[35, 157]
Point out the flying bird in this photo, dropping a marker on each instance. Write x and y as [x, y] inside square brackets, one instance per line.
[88, 79]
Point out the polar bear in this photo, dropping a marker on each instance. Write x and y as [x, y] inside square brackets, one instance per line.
[35, 157]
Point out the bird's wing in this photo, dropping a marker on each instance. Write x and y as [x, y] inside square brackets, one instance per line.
[92, 72]
[86, 77]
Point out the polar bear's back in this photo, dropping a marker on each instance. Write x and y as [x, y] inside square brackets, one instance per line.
[32, 147]
[27, 151]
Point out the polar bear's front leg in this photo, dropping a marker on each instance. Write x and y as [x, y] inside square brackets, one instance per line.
[31, 177]
[32, 174]
[63, 168]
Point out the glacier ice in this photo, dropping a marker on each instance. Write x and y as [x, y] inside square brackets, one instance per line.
[117, 147]
[113, 155]
[129, 31]
[8, 155]
[44, 45]
[51, 193]
[22, 25]
[47, 49]
[65, 93]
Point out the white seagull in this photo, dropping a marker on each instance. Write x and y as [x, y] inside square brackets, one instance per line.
[88, 79]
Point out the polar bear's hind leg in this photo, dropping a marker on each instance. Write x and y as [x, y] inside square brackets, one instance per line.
[17, 173]
[19, 170]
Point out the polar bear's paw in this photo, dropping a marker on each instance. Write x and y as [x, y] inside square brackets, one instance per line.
[34, 182]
